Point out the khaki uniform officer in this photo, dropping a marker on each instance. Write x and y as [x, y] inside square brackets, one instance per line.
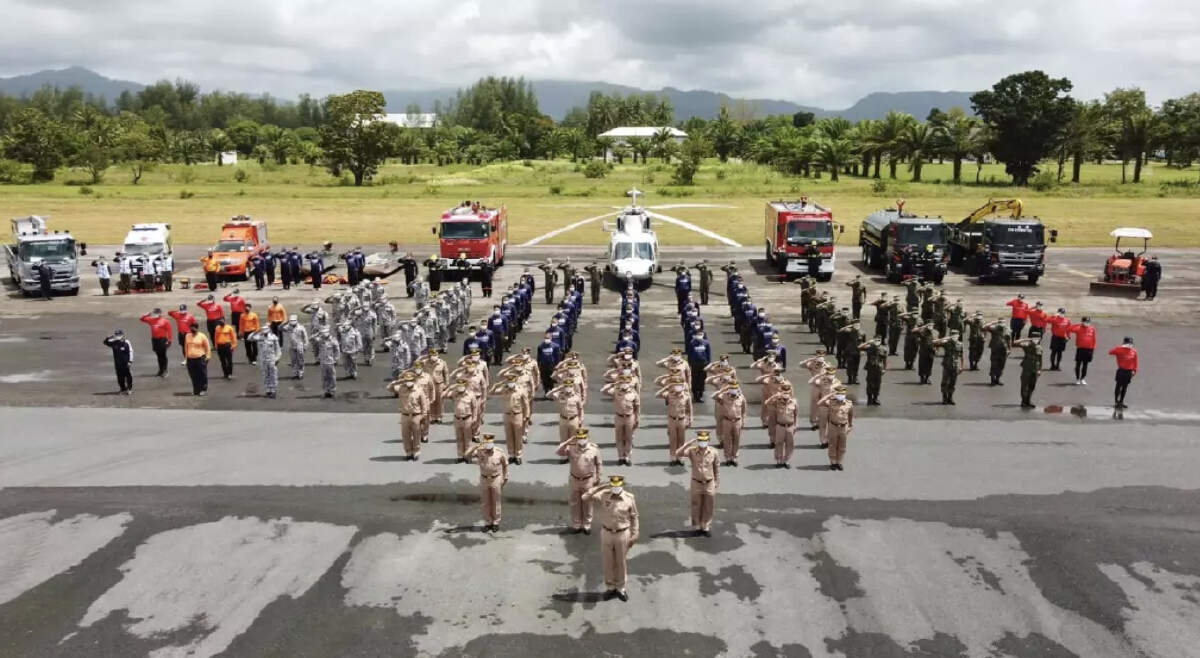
[466, 411]
[730, 408]
[841, 423]
[706, 478]
[815, 366]
[619, 518]
[414, 409]
[493, 475]
[586, 470]
[627, 415]
[824, 384]
[517, 415]
[679, 414]
[570, 408]
[786, 417]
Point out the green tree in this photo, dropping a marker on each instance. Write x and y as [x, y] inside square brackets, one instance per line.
[1128, 110]
[137, 147]
[640, 146]
[724, 134]
[1180, 137]
[961, 134]
[36, 139]
[919, 143]
[353, 136]
[577, 143]
[219, 143]
[890, 136]
[1027, 113]
[1089, 131]
[409, 146]
[835, 155]
[604, 145]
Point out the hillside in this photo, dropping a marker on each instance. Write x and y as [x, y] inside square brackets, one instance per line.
[556, 97]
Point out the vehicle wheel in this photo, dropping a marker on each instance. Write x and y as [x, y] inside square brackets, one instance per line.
[1033, 279]
[956, 256]
[73, 292]
[770, 256]
[939, 278]
[658, 269]
[25, 293]
[824, 277]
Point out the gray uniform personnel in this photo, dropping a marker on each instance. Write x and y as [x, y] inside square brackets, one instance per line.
[401, 351]
[418, 340]
[319, 317]
[429, 322]
[366, 323]
[268, 359]
[350, 344]
[385, 312]
[445, 326]
[328, 353]
[297, 337]
[420, 291]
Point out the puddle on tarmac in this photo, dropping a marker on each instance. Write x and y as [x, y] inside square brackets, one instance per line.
[12, 339]
[1112, 413]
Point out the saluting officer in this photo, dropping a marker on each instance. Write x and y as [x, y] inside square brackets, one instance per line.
[619, 518]
[706, 478]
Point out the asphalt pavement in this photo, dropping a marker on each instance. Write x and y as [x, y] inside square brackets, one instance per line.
[236, 526]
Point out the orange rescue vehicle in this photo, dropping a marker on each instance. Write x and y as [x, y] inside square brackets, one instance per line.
[241, 238]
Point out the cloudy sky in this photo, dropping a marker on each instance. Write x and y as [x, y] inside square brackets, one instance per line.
[826, 53]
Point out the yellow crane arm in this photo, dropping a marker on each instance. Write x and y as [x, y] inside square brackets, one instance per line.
[994, 206]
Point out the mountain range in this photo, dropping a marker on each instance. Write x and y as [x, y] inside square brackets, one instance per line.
[556, 97]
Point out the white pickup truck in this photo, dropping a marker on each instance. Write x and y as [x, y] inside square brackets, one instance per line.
[32, 244]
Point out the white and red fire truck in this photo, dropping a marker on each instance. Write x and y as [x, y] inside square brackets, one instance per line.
[791, 227]
[477, 231]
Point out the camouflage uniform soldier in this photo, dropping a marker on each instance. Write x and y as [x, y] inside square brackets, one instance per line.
[328, 353]
[939, 314]
[853, 336]
[882, 310]
[926, 293]
[876, 355]
[297, 340]
[895, 325]
[840, 320]
[1031, 369]
[366, 322]
[350, 344]
[912, 300]
[999, 345]
[401, 351]
[911, 338]
[268, 359]
[952, 357]
[595, 278]
[420, 290]
[925, 335]
[957, 319]
[706, 279]
[806, 300]
[386, 313]
[568, 275]
[976, 341]
[858, 296]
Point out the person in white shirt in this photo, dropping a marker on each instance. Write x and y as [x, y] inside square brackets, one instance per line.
[104, 274]
[168, 270]
[126, 271]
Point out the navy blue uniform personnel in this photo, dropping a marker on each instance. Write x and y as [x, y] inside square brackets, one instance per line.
[699, 355]
[549, 354]
[316, 268]
[777, 347]
[122, 352]
[269, 267]
[683, 286]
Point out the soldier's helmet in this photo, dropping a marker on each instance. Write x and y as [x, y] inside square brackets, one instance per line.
[702, 435]
[734, 384]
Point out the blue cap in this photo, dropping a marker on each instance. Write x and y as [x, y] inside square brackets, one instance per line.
[183, 307]
[158, 310]
[118, 332]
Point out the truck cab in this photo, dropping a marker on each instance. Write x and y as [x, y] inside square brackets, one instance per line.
[477, 231]
[1002, 249]
[791, 227]
[904, 245]
[34, 244]
[147, 242]
[241, 238]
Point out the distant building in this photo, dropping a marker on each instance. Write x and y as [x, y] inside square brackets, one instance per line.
[227, 158]
[405, 120]
[622, 135]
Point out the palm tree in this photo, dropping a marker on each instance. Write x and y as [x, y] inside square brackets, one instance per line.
[578, 144]
[835, 154]
[553, 144]
[960, 133]
[640, 147]
[724, 134]
[663, 113]
[1088, 131]
[834, 128]
[409, 146]
[980, 147]
[662, 144]
[309, 152]
[865, 132]
[604, 145]
[220, 143]
[892, 128]
[620, 152]
[919, 143]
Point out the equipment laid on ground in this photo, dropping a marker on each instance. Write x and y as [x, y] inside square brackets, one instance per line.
[904, 245]
[479, 232]
[381, 265]
[999, 248]
[633, 246]
[791, 227]
[1123, 271]
[33, 245]
[241, 238]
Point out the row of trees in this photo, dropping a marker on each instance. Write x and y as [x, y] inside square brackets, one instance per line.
[1025, 121]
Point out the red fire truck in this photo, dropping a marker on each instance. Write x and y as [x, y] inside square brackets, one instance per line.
[479, 232]
[791, 227]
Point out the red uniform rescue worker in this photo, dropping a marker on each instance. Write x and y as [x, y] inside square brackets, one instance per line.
[1127, 367]
[160, 338]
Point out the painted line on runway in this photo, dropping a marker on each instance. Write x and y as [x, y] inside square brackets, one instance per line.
[569, 227]
[692, 227]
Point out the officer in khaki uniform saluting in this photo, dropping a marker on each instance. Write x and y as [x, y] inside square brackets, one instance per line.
[517, 415]
[841, 423]
[570, 408]
[586, 470]
[786, 416]
[493, 475]
[414, 408]
[627, 415]
[679, 414]
[730, 406]
[466, 412]
[619, 518]
[824, 383]
[706, 478]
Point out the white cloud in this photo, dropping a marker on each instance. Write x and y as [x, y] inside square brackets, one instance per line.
[811, 51]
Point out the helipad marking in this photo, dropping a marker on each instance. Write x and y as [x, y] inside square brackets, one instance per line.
[692, 227]
[569, 227]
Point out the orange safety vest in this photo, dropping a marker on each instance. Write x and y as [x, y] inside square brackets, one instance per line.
[196, 346]
[225, 335]
[276, 313]
[249, 322]
[210, 264]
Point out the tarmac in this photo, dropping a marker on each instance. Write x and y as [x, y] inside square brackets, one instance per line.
[168, 526]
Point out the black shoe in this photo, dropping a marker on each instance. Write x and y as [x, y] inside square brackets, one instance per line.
[815, 427]
[778, 465]
[771, 445]
[951, 402]
[623, 595]
[786, 466]
[425, 440]
[824, 445]
[576, 531]
[840, 467]
[833, 467]
[587, 531]
[518, 461]
[610, 595]
[734, 462]
[706, 533]
[328, 395]
[564, 460]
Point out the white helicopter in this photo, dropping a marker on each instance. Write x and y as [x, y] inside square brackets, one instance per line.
[633, 248]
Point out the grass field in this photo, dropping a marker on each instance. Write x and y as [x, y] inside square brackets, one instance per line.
[305, 205]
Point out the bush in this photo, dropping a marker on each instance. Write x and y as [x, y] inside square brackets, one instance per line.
[685, 172]
[240, 175]
[185, 194]
[345, 181]
[1043, 181]
[14, 173]
[556, 190]
[649, 178]
[86, 190]
[186, 175]
[75, 182]
[268, 166]
[721, 174]
[527, 163]
[241, 193]
[577, 168]
[595, 169]
[879, 186]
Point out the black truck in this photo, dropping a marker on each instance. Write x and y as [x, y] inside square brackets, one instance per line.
[905, 245]
[1000, 248]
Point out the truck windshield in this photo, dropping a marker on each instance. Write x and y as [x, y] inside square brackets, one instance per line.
[464, 230]
[801, 230]
[144, 248]
[230, 246]
[48, 249]
[1018, 235]
[921, 234]
[642, 250]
